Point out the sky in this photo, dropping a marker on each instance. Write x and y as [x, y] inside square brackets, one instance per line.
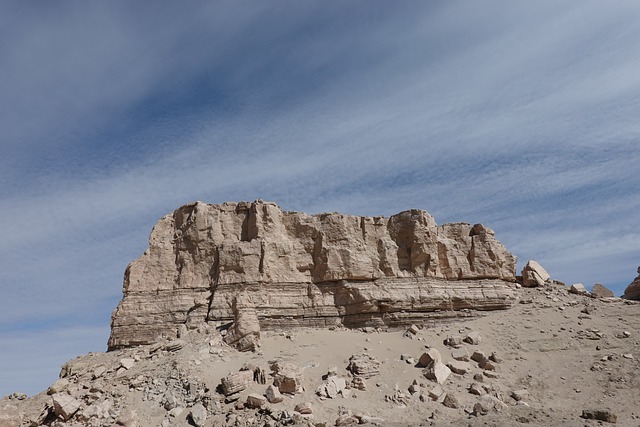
[522, 116]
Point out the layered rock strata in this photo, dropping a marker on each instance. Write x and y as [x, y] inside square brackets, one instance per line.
[294, 269]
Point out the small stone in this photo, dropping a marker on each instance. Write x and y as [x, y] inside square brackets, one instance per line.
[273, 394]
[578, 289]
[450, 401]
[477, 389]
[198, 415]
[460, 354]
[58, 386]
[459, 367]
[436, 393]
[628, 356]
[453, 341]
[127, 363]
[255, 401]
[473, 338]
[304, 408]
[520, 394]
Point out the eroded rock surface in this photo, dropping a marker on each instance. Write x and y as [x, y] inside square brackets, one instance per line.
[305, 270]
[633, 290]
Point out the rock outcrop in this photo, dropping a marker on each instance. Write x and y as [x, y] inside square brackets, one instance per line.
[533, 274]
[303, 270]
[633, 290]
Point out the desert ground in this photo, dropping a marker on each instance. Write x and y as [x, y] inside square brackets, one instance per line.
[555, 358]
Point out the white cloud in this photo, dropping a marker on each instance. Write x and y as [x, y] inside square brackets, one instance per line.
[520, 116]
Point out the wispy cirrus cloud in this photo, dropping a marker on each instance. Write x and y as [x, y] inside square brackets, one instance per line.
[520, 116]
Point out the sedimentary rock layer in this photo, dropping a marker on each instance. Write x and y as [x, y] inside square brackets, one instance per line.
[307, 270]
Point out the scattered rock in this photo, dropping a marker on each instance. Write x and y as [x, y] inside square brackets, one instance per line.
[534, 275]
[287, 377]
[578, 289]
[473, 338]
[453, 341]
[450, 401]
[198, 415]
[600, 415]
[459, 367]
[363, 365]
[273, 394]
[236, 382]
[460, 354]
[437, 371]
[331, 387]
[256, 401]
[304, 408]
[520, 394]
[58, 386]
[601, 291]
[431, 355]
[64, 405]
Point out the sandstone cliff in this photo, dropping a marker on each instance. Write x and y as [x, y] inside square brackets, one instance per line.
[296, 269]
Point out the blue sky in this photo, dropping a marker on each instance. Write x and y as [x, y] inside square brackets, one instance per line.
[519, 115]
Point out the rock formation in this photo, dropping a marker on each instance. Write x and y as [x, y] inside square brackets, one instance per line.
[300, 270]
[533, 274]
[633, 290]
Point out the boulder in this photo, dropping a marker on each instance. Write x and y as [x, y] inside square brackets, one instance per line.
[460, 354]
[58, 386]
[459, 367]
[244, 334]
[533, 274]
[601, 291]
[236, 382]
[363, 366]
[64, 405]
[287, 378]
[304, 408]
[331, 387]
[632, 291]
[472, 338]
[437, 371]
[431, 355]
[255, 401]
[198, 415]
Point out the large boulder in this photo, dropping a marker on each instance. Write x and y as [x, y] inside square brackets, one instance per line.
[533, 274]
[633, 290]
[305, 271]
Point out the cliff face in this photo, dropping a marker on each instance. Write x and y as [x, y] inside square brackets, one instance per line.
[297, 269]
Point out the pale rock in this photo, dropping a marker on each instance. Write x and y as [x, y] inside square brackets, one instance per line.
[578, 289]
[256, 401]
[472, 338]
[305, 271]
[460, 354]
[331, 387]
[488, 403]
[244, 334]
[363, 365]
[236, 382]
[58, 386]
[431, 355]
[459, 367]
[453, 341]
[436, 393]
[304, 408]
[273, 394]
[198, 415]
[450, 401]
[64, 405]
[477, 389]
[127, 363]
[98, 372]
[533, 274]
[9, 415]
[287, 378]
[100, 410]
[437, 371]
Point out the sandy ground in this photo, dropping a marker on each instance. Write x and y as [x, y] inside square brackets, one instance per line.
[569, 352]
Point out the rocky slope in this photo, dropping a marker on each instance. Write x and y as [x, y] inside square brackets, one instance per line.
[281, 270]
[555, 358]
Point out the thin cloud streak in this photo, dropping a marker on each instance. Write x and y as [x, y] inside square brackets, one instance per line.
[519, 116]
